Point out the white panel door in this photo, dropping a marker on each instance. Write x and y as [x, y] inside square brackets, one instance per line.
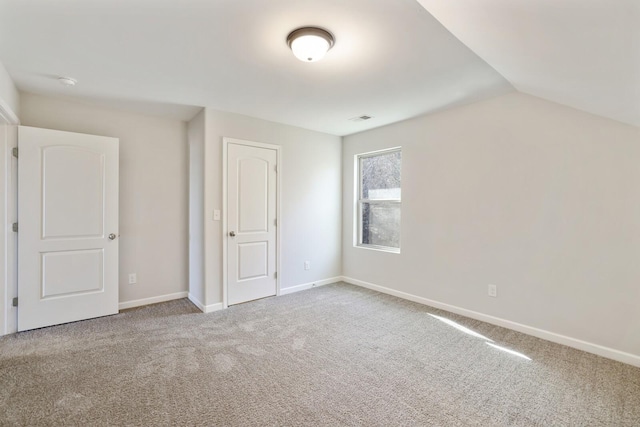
[68, 227]
[251, 221]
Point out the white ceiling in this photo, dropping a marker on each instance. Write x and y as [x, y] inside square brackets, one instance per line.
[392, 59]
[581, 53]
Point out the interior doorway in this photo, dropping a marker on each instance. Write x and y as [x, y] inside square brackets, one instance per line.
[67, 227]
[250, 223]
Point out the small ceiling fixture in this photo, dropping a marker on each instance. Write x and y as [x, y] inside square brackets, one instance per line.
[360, 118]
[310, 44]
[67, 81]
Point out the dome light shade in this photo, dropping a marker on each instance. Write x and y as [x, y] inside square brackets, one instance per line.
[310, 44]
[67, 81]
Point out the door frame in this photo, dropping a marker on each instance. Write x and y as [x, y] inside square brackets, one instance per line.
[9, 206]
[225, 232]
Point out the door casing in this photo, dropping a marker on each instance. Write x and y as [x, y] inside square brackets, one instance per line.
[225, 232]
[9, 213]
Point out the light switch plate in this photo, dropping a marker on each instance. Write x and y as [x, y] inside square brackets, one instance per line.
[493, 291]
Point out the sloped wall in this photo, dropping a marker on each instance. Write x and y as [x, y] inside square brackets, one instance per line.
[539, 199]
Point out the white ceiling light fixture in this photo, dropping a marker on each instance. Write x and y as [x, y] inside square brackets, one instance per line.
[310, 44]
[67, 81]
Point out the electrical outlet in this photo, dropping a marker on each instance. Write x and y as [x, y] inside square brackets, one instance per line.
[307, 265]
[493, 291]
[133, 278]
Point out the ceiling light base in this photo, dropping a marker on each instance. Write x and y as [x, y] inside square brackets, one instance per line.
[310, 44]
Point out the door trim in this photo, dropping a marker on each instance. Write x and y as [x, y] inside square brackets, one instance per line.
[9, 213]
[225, 232]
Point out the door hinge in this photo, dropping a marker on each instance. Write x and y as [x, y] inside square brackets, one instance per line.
[14, 151]
[276, 168]
[275, 275]
[15, 302]
[275, 222]
[14, 226]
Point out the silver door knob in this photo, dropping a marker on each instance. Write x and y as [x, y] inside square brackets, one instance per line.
[232, 233]
[112, 236]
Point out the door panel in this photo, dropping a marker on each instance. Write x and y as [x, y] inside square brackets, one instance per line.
[253, 194]
[72, 272]
[67, 208]
[251, 221]
[76, 211]
[253, 260]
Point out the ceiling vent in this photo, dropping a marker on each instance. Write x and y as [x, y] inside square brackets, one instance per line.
[360, 118]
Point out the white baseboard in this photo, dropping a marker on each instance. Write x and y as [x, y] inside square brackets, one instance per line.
[285, 291]
[205, 308]
[152, 300]
[305, 286]
[607, 352]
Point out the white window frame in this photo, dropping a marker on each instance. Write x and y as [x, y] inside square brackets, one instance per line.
[359, 201]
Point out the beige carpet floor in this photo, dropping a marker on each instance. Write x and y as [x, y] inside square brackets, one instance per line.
[331, 356]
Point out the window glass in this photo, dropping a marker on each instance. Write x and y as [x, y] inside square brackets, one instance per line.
[380, 176]
[381, 224]
[379, 199]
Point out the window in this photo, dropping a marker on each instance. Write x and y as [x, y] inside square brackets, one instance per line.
[378, 199]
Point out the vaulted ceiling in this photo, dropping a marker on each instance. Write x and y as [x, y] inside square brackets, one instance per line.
[580, 53]
[393, 59]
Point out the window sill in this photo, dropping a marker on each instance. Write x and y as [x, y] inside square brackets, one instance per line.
[379, 248]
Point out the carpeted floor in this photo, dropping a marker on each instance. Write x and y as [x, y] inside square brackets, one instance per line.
[331, 356]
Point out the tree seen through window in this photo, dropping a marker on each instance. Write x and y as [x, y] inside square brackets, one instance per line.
[379, 199]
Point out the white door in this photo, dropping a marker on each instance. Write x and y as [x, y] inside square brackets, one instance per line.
[251, 222]
[68, 227]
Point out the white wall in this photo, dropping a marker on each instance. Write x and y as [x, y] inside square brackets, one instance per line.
[153, 189]
[310, 219]
[196, 137]
[9, 96]
[539, 199]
